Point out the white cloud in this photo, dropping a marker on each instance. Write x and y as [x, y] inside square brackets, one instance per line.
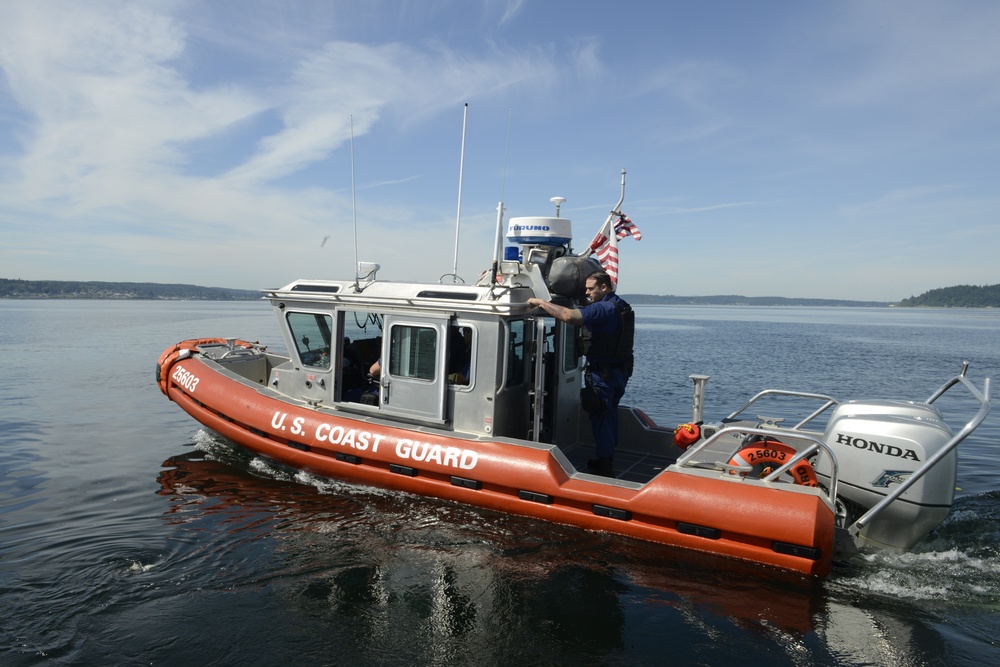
[104, 104]
[111, 120]
[111, 117]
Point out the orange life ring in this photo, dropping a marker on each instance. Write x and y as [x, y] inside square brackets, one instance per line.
[171, 354]
[773, 454]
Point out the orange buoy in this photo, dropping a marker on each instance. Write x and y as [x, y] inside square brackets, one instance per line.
[772, 454]
[686, 435]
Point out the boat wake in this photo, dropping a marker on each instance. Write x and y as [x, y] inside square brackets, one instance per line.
[387, 503]
[959, 562]
[217, 448]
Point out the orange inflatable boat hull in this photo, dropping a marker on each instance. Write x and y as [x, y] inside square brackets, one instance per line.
[788, 529]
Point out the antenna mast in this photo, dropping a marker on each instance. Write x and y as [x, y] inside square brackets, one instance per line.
[354, 207]
[461, 172]
[498, 242]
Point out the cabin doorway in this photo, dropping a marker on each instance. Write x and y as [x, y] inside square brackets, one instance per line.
[557, 379]
[414, 381]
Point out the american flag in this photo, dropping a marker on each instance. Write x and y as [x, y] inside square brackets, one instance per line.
[605, 244]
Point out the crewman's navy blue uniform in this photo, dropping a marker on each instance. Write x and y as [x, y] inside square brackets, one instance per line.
[607, 374]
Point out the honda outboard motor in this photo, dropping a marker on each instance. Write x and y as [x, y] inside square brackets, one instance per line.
[879, 444]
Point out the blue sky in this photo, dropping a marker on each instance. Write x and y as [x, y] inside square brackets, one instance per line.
[841, 150]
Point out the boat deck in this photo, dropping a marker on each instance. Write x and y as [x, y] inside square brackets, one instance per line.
[644, 448]
[629, 466]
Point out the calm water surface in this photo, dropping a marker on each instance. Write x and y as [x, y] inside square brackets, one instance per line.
[130, 536]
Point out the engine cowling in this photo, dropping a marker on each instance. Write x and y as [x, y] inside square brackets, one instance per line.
[879, 444]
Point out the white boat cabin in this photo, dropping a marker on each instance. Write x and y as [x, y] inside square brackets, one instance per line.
[468, 358]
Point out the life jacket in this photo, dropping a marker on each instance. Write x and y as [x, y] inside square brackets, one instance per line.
[605, 351]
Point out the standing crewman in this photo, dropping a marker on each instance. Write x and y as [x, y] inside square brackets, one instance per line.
[610, 322]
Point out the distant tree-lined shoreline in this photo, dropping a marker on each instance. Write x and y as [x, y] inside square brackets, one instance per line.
[73, 289]
[961, 296]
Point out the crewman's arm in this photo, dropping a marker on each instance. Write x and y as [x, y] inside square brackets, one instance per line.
[571, 315]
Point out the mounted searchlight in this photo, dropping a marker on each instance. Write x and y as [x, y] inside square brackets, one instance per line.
[367, 270]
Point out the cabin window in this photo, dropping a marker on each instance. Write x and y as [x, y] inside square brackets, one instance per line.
[413, 351]
[311, 333]
[517, 353]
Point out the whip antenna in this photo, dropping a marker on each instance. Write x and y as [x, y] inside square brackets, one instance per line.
[498, 242]
[354, 206]
[461, 172]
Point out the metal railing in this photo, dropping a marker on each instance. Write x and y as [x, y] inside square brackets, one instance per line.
[815, 445]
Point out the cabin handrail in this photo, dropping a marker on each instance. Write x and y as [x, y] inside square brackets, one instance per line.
[407, 303]
[984, 409]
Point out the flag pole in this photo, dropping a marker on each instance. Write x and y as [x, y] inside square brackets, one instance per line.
[618, 206]
[607, 222]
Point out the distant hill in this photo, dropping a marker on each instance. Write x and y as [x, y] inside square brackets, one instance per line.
[960, 296]
[72, 289]
[737, 300]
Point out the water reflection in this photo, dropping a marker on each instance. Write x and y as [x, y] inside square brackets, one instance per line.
[386, 560]
[417, 579]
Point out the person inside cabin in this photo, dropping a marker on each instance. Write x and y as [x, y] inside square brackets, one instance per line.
[459, 354]
[368, 393]
[375, 369]
[610, 323]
